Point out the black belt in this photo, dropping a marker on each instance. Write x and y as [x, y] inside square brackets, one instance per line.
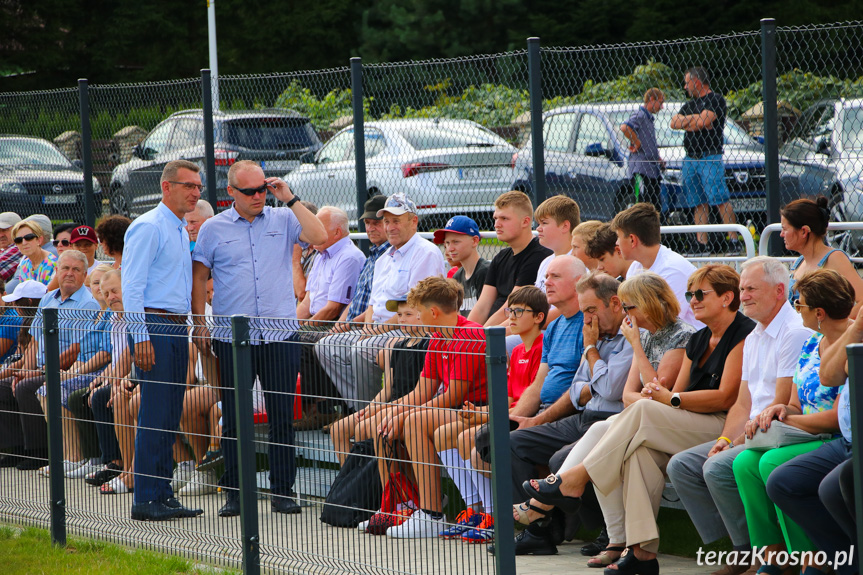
[174, 317]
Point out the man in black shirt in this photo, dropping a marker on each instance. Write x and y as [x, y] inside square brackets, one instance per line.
[515, 266]
[703, 174]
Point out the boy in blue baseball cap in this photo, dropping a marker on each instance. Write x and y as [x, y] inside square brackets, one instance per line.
[460, 238]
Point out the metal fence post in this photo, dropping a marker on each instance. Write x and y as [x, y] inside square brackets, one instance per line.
[209, 138]
[771, 125]
[501, 466]
[243, 382]
[87, 152]
[359, 143]
[534, 66]
[855, 376]
[57, 490]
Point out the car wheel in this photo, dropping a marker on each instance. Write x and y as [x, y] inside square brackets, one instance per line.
[118, 203]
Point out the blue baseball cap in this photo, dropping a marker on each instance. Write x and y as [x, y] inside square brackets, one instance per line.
[457, 225]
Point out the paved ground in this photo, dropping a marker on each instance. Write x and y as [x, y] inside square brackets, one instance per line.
[298, 544]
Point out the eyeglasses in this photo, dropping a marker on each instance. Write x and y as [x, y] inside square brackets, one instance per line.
[64, 243]
[252, 191]
[189, 186]
[627, 307]
[697, 294]
[516, 312]
[27, 238]
[798, 305]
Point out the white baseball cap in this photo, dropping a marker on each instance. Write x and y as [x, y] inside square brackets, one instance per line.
[27, 288]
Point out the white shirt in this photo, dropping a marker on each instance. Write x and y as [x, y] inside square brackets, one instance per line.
[540, 274]
[674, 269]
[770, 353]
[398, 270]
[119, 338]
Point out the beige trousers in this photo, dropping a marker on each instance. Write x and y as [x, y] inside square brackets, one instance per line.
[633, 454]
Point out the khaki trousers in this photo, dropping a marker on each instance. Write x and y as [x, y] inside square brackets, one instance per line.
[633, 454]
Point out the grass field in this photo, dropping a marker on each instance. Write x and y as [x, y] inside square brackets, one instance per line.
[30, 551]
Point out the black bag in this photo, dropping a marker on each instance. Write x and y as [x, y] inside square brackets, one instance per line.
[356, 493]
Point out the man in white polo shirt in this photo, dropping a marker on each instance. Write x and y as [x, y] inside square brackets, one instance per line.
[637, 231]
[350, 358]
[703, 475]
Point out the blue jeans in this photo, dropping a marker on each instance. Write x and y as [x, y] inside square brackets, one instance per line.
[162, 391]
[276, 365]
[704, 182]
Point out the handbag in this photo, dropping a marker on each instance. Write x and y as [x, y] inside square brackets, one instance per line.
[400, 499]
[780, 434]
[356, 491]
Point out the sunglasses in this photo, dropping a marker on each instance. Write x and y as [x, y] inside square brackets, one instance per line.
[189, 186]
[27, 238]
[516, 312]
[627, 307]
[798, 305]
[697, 294]
[252, 191]
[64, 243]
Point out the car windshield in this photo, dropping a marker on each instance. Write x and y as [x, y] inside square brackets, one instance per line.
[852, 129]
[23, 152]
[269, 133]
[668, 138]
[435, 137]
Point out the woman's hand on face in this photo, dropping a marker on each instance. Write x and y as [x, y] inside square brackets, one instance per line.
[629, 327]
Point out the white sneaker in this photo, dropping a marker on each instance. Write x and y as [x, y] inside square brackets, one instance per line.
[68, 467]
[90, 466]
[420, 525]
[182, 474]
[362, 526]
[201, 483]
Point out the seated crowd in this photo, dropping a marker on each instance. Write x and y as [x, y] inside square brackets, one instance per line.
[628, 367]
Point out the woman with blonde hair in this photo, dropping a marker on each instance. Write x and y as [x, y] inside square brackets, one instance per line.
[37, 264]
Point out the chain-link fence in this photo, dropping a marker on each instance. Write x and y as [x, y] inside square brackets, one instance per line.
[454, 134]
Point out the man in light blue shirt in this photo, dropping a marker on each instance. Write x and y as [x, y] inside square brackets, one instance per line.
[157, 286]
[248, 251]
[22, 422]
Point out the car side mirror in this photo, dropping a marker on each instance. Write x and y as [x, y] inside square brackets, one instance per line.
[138, 152]
[822, 146]
[307, 158]
[78, 164]
[596, 150]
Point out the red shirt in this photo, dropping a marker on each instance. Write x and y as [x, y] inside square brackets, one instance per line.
[523, 366]
[460, 358]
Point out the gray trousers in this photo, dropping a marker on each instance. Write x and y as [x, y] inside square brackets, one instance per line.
[350, 359]
[708, 490]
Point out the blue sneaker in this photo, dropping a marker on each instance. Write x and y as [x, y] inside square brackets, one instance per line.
[466, 520]
[483, 533]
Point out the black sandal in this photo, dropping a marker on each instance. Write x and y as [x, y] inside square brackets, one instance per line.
[629, 564]
[549, 493]
[523, 508]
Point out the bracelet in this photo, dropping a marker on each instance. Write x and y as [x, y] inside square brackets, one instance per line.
[725, 438]
[293, 201]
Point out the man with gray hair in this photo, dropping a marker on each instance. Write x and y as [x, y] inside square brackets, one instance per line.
[331, 286]
[203, 211]
[703, 475]
[22, 423]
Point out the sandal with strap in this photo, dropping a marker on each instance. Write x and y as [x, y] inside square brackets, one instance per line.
[548, 492]
[522, 510]
[115, 487]
[603, 559]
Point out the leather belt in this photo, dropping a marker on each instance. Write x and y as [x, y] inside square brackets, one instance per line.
[174, 317]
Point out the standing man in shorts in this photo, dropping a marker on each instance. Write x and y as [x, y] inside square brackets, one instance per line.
[703, 120]
[643, 168]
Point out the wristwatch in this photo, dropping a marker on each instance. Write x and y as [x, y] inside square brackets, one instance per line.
[675, 400]
[293, 201]
[587, 349]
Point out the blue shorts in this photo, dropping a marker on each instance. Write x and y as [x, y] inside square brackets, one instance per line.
[70, 386]
[703, 182]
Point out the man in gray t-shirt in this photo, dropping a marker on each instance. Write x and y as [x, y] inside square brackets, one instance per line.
[643, 168]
